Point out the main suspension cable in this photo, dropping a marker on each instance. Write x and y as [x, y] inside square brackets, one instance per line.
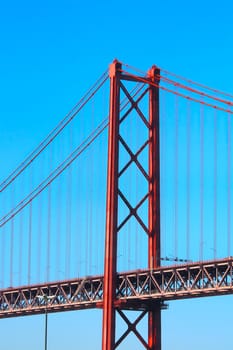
[52, 176]
[55, 132]
[147, 81]
[189, 81]
[65, 164]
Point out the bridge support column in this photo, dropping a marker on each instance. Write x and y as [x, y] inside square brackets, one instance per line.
[150, 173]
[109, 313]
[154, 317]
[154, 329]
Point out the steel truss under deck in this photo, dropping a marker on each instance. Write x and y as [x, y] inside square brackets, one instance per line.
[137, 290]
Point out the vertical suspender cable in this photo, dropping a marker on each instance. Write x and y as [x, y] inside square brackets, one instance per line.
[20, 247]
[2, 242]
[20, 240]
[12, 253]
[58, 227]
[201, 180]
[91, 188]
[29, 272]
[188, 182]
[12, 241]
[61, 213]
[137, 241]
[87, 240]
[3, 248]
[78, 223]
[29, 242]
[71, 201]
[48, 233]
[229, 186]
[49, 217]
[176, 149]
[215, 183]
[98, 239]
[39, 240]
[81, 212]
[163, 175]
[68, 212]
[40, 231]
[68, 221]
[86, 215]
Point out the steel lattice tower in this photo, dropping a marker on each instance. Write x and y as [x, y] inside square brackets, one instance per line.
[149, 309]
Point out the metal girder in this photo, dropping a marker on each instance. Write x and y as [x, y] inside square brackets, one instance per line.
[137, 290]
[178, 282]
[52, 297]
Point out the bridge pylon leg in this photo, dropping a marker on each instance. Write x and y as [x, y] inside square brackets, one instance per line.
[154, 329]
[109, 316]
[154, 317]
[151, 227]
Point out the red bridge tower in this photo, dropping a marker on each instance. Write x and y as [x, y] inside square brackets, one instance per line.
[149, 309]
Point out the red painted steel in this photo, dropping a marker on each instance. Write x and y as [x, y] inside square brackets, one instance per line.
[152, 229]
[154, 316]
[108, 331]
[142, 290]
[136, 290]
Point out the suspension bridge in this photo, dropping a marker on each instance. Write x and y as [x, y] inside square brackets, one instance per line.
[124, 206]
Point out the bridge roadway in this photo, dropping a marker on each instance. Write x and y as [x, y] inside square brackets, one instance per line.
[139, 289]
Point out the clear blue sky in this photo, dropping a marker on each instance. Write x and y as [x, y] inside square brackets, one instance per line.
[50, 53]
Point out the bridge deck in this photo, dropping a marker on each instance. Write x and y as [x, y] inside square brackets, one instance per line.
[137, 289]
